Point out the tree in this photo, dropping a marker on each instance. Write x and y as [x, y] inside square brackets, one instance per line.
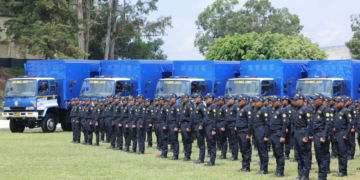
[220, 20]
[47, 27]
[139, 49]
[354, 43]
[81, 26]
[254, 46]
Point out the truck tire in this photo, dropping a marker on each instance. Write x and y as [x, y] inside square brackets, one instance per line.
[49, 123]
[66, 126]
[14, 127]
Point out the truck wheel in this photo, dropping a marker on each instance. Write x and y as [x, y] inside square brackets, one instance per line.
[14, 127]
[49, 123]
[66, 126]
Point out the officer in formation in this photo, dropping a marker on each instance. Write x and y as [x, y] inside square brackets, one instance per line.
[325, 120]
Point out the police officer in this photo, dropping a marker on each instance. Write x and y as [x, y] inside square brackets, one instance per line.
[95, 117]
[118, 135]
[261, 127]
[357, 123]
[278, 125]
[322, 124]
[109, 121]
[309, 106]
[149, 122]
[199, 124]
[288, 109]
[147, 115]
[157, 124]
[342, 128]
[131, 124]
[102, 121]
[210, 127]
[231, 121]
[124, 119]
[334, 150]
[222, 127]
[243, 128]
[173, 115]
[302, 125]
[82, 118]
[77, 120]
[140, 123]
[186, 125]
[163, 127]
[73, 114]
[352, 109]
[88, 122]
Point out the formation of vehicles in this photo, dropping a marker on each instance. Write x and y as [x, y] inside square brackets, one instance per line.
[42, 97]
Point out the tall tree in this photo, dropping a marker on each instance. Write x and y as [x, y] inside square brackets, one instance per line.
[254, 46]
[220, 19]
[87, 37]
[81, 26]
[108, 31]
[113, 34]
[354, 42]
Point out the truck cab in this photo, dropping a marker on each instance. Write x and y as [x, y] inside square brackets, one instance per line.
[102, 86]
[251, 86]
[31, 102]
[180, 85]
[330, 87]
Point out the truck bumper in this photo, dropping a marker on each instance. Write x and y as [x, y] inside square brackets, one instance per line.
[21, 115]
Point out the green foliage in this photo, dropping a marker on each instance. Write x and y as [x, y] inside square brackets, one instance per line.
[138, 49]
[14, 71]
[220, 19]
[354, 42]
[254, 46]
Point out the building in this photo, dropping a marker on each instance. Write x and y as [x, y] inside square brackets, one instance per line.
[337, 52]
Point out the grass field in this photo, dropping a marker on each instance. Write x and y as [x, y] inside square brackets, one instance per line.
[14, 71]
[35, 155]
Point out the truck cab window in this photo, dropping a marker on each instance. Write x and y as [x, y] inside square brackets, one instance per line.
[43, 87]
[119, 88]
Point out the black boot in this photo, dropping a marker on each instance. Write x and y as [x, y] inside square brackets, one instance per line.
[186, 158]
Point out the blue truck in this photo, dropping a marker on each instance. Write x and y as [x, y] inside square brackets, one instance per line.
[267, 77]
[331, 78]
[42, 97]
[126, 78]
[197, 77]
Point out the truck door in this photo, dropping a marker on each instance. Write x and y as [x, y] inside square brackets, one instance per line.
[43, 88]
[267, 88]
[197, 87]
[338, 88]
[120, 88]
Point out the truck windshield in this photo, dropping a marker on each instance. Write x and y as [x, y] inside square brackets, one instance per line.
[97, 88]
[237, 87]
[310, 87]
[166, 87]
[20, 88]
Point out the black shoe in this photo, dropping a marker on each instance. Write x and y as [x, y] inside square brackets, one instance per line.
[132, 151]
[232, 159]
[76, 142]
[107, 141]
[261, 172]
[186, 158]
[277, 175]
[314, 162]
[256, 155]
[88, 144]
[221, 157]
[287, 157]
[316, 171]
[329, 172]
[126, 150]
[350, 158]
[272, 156]
[171, 150]
[162, 156]
[294, 160]
[96, 144]
[243, 170]
[210, 164]
[159, 149]
[140, 152]
[84, 143]
[173, 158]
[110, 147]
[183, 151]
[257, 164]
[339, 174]
[148, 146]
[333, 157]
[218, 149]
[304, 178]
[298, 178]
[198, 162]
[208, 155]
[116, 149]
[358, 168]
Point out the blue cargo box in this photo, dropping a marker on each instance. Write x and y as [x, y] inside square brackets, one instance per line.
[139, 72]
[64, 71]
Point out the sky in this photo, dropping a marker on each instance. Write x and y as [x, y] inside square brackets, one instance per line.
[326, 22]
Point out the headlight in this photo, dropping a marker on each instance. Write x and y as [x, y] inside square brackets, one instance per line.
[29, 108]
[6, 108]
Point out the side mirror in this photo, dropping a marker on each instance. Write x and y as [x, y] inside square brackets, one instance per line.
[215, 87]
[285, 90]
[71, 83]
[56, 84]
[359, 90]
[145, 90]
[74, 82]
[285, 84]
[71, 89]
[359, 84]
[290, 82]
[271, 85]
[203, 87]
[128, 86]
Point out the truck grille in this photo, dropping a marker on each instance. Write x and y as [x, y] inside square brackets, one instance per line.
[17, 109]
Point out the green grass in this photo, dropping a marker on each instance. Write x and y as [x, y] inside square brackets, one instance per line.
[35, 155]
[14, 71]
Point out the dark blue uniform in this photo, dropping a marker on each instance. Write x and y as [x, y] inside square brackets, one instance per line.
[110, 134]
[210, 125]
[222, 135]
[74, 125]
[351, 149]
[186, 122]
[162, 113]
[244, 128]
[140, 125]
[118, 130]
[124, 120]
[334, 149]
[199, 120]
[157, 127]
[88, 117]
[95, 116]
[149, 119]
[173, 115]
[82, 120]
[261, 127]
[288, 144]
[357, 125]
[102, 123]
[231, 121]
[133, 131]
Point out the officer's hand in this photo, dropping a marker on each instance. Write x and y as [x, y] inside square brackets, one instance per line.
[127, 126]
[247, 137]
[322, 140]
[112, 123]
[282, 140]
[188, 130]
[235, 129]
[120, 125]
[266, 139]
[334, 130]
[311, 137]
[287, 131]
[96, 124]
[200, 128]
[141, 126]
[150, 125]
[345, 138]
[133, 126]
[77, 122]
[329, 138]
[91, 123]
[73, 120]
[304, 140]
[358, 135]
[164, 128]
[213, 133]
[352, 130]
[222, 129]
[176, 129]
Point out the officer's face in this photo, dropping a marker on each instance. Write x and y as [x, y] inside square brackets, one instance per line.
[332, 103]
[161, 102]
[117, 100]
[131, 102]
[140, 100]
[275, 103]
[184, 100]
[221, 102]
[285, 102]
[83, 102]
[101, 104]
[198, 99]
[231, 101]
[137, 103]
[339, 104]
[147, 103]
[172, 100]
[258, 104]
[252, 104]
[124, 102]
[317, 102]
[88, 102]
[156, 103]
[348, 102]
[77, 102]
[106, 103]
[111, 99]
[95, 103]
[72, 102]
[241, 103]
[356, 104]
[266, 103]
[298, 102]
[209, 100]
[325, 103]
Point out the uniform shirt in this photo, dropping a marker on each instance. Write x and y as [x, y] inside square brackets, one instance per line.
[185, 113]
[74, 112]
[343, 121]
[222, 112]
[211, 116]
[173, 114]
[243, 119]
[124, 113]
[302, 119]
[96, 113]
[278, 120]
[103, 114]
[82, 111]
[117, 111]
[89, 109]
[322, 119]
[352, 109]
[132, 114]
[199, 114]
[156, 113]
[231, 113]
[110, 109]
[288, 109]
[261, 119]
[140, 112]
[148, 114]
[162, 114]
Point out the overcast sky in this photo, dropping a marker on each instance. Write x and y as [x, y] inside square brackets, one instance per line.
[326, 22]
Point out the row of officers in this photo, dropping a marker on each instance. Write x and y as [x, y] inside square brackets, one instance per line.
[283, 123]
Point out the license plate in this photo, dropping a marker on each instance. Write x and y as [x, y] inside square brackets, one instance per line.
[16, 114]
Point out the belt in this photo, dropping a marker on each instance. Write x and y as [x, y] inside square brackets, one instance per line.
[232, 122]
[275, 131]
[259, 126]
[300, 128]
[172, 122]
[197, 123]
[318, 130]
[185, 122]
[208, 125]
[340, 130]
[241, 128]
[219, 121]
[162, 122]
